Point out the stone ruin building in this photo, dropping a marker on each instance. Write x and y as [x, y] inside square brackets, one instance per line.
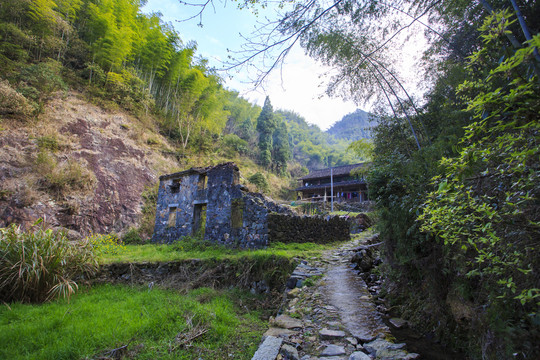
[212, 204]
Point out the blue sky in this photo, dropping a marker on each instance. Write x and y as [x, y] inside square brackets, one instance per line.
[299, 87]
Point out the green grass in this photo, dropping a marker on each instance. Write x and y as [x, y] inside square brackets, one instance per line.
[156, 252]
[107, 317]
[350, 213]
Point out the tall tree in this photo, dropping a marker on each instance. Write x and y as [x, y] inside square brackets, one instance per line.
[266, 126]
[281, 152]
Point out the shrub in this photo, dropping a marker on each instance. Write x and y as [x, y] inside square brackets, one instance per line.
[133, 237]
[234, 144]
[105, 244]
[49, 142]
[11, 102]
[259, 180]
[38, 81]
[67, 177]
[39, 264]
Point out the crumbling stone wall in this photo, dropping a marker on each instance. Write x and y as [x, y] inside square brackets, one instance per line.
[301, 229]
[256, 209]
[234, 216]
[221, 190]
[175, 195]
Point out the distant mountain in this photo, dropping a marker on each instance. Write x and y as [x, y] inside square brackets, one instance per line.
[353, 126]
[312, 147]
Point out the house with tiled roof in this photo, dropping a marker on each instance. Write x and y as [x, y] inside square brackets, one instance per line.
[317, 185]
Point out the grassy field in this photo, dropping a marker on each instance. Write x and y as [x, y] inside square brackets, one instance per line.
[190, 250]
[151, 324]
[117, 321]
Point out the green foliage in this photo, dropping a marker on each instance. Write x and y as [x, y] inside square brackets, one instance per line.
[362, 148]
[128, 90]
[242, 117]
[196, 244]
[148, 210]
[235, 145]
[485, 209]
[266, 126]
[475, 207]
[310, 281]
[352, 127]
[312, 147]
[129, 59]
[105, 244]
[132, 237]
[260, 181]
[280, 147]
[48, 142]
[193, 249]
[40, 264]
[153, 324]
[39, 81]
[13, 103]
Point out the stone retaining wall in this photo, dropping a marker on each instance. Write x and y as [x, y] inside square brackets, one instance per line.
[257, 275]
[301, 229]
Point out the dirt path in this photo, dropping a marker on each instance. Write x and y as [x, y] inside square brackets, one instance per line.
[329, 314]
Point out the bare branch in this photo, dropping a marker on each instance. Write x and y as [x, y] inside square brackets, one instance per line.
[200, 13]
[294, 37]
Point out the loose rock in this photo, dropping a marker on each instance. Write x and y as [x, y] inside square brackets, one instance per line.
[398, 323]
[333, 350]
[289, 352]
[287, 322]
[269, 349]
[358, 355]
[327, 334]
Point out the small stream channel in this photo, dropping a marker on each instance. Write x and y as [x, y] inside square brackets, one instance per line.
[350, 295]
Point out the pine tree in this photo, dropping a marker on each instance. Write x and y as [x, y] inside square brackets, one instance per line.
[266, 126]
[281, 151]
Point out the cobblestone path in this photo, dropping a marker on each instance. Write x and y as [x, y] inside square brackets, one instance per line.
[329, 315]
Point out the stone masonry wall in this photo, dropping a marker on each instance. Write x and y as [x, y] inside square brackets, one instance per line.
[182, 200]
[234, 216]
[218, 211]
[254, 230]
[301, 229]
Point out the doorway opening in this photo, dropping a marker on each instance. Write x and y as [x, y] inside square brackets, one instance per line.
[199, 221]
[171, 222]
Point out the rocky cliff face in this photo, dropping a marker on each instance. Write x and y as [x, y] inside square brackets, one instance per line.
[78, 166]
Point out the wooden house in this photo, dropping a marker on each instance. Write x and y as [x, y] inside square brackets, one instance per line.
[316, 186]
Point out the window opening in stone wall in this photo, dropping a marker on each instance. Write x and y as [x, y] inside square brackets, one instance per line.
[199, 221]
[201, 185]
[236, 177]
[172, 217]
[175, 186]
[237, 213]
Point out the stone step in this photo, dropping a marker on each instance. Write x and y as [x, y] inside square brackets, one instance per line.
[269, 349]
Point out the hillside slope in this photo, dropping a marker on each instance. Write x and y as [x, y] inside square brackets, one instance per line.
[79, 166]
[353, 126]
[85, 168]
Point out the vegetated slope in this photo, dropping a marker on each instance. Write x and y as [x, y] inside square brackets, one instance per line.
[79, 166]
[353, 126]
[84, 167]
